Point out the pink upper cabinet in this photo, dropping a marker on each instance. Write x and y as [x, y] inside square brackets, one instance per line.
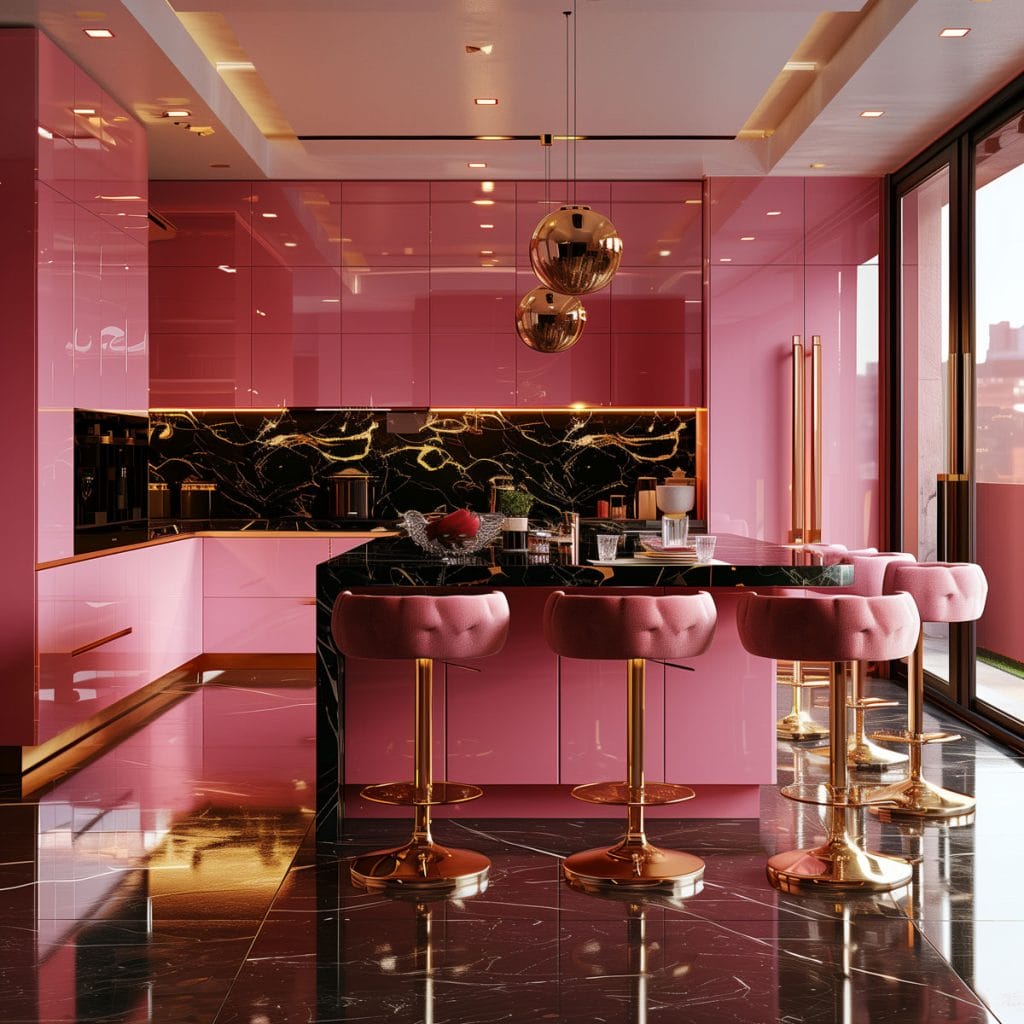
[465, 300]
[122, 198]
[580, 375]
[757, 221]
[91, 141]
[113, 313]
[137, 326]
[209, 223]
[56, 121]
[90, 235]
[475, 370]
[55, 322]
[386, 299]
[206, 371]
[663, 370]
[296, 370]
[534, 199]
[296, 224]
[472, 224]
[385, 369]
[385, 224]
[195, 300]
[842, 220]
[656, 300]
[659, 222]
[303, 299]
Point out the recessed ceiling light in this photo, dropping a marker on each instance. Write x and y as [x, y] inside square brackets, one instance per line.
[486, 101]
[953, 33]
[477, 165]
[291, 245]
[664, 252]
[483, 202]
[818, 166]
[485, 48]
[725, 259]
[487, 227]
[269, 216]
[98, 33]
[746, 238]
[773, 213]
[84, 111]
[235, 65]
[486, 186]
[872, 113]
[177, 113]
[800, 65]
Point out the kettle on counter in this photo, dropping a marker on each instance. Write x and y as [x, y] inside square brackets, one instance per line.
[351, 494]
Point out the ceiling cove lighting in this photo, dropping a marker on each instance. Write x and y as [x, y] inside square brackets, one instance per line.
[953, 33]
[872, 113]
[98, 33]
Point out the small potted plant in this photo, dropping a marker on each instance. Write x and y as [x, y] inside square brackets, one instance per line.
[515, 504]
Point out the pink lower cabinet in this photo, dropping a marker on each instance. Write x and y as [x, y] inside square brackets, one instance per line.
[719, 717]
[502, 721]
[379, 716]
[258, 592]
[173, 603]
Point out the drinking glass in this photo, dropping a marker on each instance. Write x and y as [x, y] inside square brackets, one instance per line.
[607, 543]
[704, 545]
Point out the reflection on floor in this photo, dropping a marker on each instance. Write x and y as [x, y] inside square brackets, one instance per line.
[173, 879]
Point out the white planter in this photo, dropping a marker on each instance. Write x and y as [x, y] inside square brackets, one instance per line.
[516, 524]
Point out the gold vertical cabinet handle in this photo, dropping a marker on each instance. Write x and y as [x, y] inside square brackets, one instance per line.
[798, 431]
[93, 644]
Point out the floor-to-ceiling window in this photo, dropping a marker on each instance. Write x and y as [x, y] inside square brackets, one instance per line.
[956, 366]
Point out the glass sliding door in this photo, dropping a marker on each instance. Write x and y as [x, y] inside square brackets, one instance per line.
[924, 331]
[998, 157]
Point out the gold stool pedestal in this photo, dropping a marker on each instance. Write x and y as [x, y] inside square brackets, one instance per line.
[634, 863]
[840, 864]
[421, 865]
[915, 796]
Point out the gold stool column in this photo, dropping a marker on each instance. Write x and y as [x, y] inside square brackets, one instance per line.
[421, 863]
[840, 863]
[861, 752]
[634, 862]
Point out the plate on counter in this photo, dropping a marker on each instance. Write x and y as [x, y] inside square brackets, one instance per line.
[669, 555]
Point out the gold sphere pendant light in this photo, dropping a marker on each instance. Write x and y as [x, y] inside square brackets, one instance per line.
[550, 322]
[574, 250]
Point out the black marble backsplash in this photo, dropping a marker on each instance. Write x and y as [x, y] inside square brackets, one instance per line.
[277, 466]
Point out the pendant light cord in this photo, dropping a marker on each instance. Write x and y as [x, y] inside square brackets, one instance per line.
[574, 23]
[568, 15]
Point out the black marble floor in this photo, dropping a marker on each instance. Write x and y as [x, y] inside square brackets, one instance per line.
[174, 879]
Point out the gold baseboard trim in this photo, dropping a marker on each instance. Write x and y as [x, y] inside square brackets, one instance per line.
[46, 763]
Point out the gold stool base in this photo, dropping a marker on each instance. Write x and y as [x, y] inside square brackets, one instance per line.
[838, 865]
[422, 866]
[799, 726]
[918, 798]
[634, 865]
[866, 754]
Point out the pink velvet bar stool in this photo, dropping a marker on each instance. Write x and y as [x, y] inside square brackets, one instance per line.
[423, 628]
[632, 628]
[837, 629]
[943, 592]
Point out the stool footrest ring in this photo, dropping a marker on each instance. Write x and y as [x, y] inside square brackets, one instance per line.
[826, 795]
[917, 739]
[870, 703]
[653, 794]
[403, 794]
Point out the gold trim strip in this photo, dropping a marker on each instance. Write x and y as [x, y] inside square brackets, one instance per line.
[92, 645]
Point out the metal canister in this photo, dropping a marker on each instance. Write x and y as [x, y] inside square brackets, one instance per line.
[196, 499]
[351, 494]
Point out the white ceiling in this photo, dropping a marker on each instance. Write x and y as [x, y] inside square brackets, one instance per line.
[389, 68]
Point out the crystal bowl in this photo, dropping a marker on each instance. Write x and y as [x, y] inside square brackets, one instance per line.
[415, 525]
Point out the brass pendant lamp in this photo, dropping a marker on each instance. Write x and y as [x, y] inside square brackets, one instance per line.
[574, 250]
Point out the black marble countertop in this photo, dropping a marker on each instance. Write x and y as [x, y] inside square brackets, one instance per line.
[739, 562]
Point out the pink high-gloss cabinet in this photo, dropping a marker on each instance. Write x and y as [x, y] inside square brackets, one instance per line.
[200, 370]
[296, 370]
[385, 369]
[296, 223]
[387, 223]
[210, 221]
[473, 370]
[521, 743]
